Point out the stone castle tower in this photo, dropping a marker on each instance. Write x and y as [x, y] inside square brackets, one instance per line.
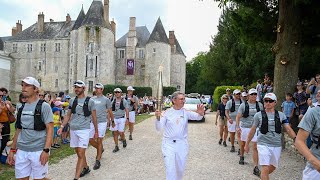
[58, 53]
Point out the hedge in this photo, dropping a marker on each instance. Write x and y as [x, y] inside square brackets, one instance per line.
[219, 91]
[169, 90]
[139, 91]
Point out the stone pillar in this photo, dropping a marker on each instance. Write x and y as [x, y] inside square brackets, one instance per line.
[106, 11]
[40, 22]
[113, 28]
[14, 31]
[131, 39]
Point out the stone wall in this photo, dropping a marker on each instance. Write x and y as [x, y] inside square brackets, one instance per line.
[178, 71]
[5, 69]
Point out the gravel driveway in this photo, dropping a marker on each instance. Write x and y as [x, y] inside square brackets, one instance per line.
[142, 159]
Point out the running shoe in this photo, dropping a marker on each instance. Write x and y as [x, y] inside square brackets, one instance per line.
[232, 149]
[220, 141]
[85, 171]
[97, 165]
[224, 144]
[116, 149]
[256, 171]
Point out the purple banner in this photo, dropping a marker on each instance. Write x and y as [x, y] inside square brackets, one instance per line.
[130, 66]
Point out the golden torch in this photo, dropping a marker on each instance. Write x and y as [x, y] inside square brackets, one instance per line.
[159, 91]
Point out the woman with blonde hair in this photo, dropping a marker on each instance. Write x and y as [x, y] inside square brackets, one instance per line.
[222, 120]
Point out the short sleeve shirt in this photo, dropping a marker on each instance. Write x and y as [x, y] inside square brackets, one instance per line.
[311, 123]
[247, 122]
[271, 138]
[288, 107]
[30, 140]
[228, 107]
[222, 110]
[131, 105]
[102, 104]
[78, 121]
[117, 112]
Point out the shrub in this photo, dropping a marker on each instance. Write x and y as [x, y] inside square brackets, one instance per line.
[219, 91]
[169, 90]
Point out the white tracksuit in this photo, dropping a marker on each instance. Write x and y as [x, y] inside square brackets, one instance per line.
[175, 144]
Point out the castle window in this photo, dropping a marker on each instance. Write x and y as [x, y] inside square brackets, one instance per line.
[141, 54]
[57, 47]
[91, 47]
[56, 84]
[56, 68]
[39, 80]
[14, 47]
[90, 86]
[91, 64]
[43, 47]
[154, 50]
[39, 65]
[29, 47]
[121, 54]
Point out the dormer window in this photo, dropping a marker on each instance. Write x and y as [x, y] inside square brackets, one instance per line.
[121, 54]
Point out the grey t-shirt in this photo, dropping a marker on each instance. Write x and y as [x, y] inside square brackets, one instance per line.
[247, 122]
[117, 112]
[78, 121]
[311, 123]
[271, 138]
[30, 140]
[131, 105]
[101, 103]
[228, 107]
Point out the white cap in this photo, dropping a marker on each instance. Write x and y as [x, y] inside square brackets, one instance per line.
[130, 88]
[244, 94]
[31, 81]
[117, 89]
[270, 96]
[236, 91]
[79, 83]
[99, 85]
[252, 91]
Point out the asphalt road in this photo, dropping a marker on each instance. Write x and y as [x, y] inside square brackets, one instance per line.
[142, 159]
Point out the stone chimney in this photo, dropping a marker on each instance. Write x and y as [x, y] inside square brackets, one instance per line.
[113, 28]
[68, 18]
[40, 22]
[106, 11]
[19, 26]
[172, 43]
[14, 31]
[132, 27]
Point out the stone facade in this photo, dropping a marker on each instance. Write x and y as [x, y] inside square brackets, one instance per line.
[5, 70]
[58, 53]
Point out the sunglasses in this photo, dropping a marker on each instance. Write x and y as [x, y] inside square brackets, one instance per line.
[269, 101]
[253, 94]
[117, 92]
[238, 93]
[41, 95]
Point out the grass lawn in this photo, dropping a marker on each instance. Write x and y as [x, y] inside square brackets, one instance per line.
[7, 172]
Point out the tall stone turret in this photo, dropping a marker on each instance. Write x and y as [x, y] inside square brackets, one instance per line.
[157, 54]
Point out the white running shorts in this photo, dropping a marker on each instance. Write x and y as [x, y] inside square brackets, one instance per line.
[310, 173]
[102, 128]
[232, 127]
[269, 155]
[119, 125]
[28, 164]
[245, 133]
[79, 138]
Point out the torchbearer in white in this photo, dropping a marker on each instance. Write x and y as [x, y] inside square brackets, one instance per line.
[175, 146]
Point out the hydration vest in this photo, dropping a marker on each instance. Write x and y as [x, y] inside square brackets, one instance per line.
[233, 107]
[114, 104]
[264, 125]
[39, 125]
[246, 109]
[85, 107]
[131, 103]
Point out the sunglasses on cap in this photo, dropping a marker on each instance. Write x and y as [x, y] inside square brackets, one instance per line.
[269, 101]
[253, 94]
[117, 92]
[238, 93]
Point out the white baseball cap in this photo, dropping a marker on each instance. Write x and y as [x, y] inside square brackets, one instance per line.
[117, 89]
[244, 94]
[31, 81]
[99, 85]
[79, 83]
[270, 96]
[252, 91]
[236, 91]
[130, 88]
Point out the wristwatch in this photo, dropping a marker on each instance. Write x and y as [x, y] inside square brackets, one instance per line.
[47, 150]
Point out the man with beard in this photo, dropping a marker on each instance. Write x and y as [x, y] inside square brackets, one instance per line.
[81, 113]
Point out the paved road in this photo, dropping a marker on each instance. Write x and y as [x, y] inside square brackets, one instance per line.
[142, 159]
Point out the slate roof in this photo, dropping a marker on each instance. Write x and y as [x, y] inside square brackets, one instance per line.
[1, 44]
[94, 16]
[158, 34]
[178, 47]
[143, 35]
[52, 30]
[79, 20]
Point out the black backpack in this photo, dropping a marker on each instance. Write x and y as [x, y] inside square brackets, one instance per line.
[39, 125]
[264, 125]
[233, 107]
[114, 104]
[246, 110]
[131, 103]
[85, 107]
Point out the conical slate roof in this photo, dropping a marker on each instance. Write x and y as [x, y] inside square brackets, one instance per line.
[94, 16]
[79, 20]
[178, 47]
[158, 34]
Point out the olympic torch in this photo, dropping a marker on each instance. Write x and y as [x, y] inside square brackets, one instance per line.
[159, 91]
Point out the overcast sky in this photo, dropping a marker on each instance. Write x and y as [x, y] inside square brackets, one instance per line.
[193, 21]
